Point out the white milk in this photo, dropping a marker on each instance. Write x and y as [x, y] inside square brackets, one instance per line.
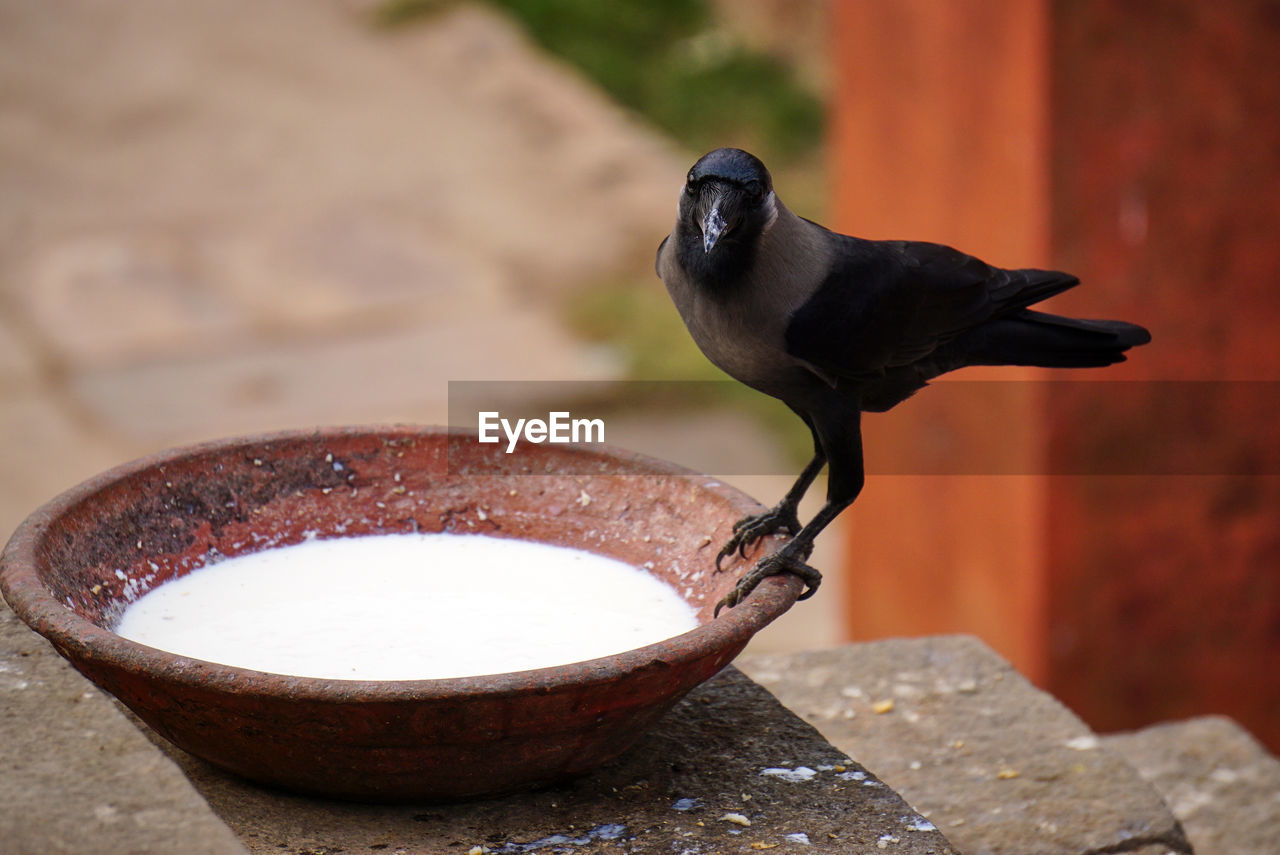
[408, 607]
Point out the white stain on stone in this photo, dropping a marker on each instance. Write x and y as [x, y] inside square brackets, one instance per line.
[791, 776]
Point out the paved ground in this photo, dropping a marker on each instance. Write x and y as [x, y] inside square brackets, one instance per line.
[212, 225]
[234, 217]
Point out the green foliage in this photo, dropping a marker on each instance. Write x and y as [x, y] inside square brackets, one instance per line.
[394, 13]
[665, 60]
[640, 321]
[735, 97]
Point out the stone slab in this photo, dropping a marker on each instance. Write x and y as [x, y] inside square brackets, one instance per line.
[996, 764]
[44, 449]
[1220, 782]
[114, 293]
[78, 776]
[729, 769]
[17, 364]
[400, 376]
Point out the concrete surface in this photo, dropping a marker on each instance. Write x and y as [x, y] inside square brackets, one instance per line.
[996, 764]
[939, 723]
[1218, 780]
[78, 776]
[728, 770]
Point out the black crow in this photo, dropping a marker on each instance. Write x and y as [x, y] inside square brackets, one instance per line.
[834, 326]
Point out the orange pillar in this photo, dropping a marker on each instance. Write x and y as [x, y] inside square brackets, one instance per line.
[939, 132]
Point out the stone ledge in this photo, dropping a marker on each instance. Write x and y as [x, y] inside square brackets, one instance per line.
[1220, 783]
[727, 770]
[78, 776]
[996, 764]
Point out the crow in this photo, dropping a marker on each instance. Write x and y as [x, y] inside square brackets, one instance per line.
[835, 326]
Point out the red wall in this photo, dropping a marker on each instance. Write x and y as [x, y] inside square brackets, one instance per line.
[1165, 589]
[1137, 145]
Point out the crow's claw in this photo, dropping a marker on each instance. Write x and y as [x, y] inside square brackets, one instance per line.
[785, 560]
[748, 530]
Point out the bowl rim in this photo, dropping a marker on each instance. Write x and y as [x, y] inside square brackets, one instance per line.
[78, 638]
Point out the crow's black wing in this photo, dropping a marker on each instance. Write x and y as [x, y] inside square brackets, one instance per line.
[887, 304]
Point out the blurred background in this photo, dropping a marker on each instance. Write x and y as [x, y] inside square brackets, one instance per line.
[245, 216]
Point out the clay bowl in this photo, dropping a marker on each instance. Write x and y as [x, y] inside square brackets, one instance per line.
[72, 567]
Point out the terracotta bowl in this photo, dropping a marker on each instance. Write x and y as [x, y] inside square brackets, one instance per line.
[76, 563]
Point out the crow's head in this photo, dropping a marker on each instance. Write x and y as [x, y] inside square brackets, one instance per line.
[728, 200]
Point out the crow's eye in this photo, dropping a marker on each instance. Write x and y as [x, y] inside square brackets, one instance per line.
[690, 183]
[754, 189]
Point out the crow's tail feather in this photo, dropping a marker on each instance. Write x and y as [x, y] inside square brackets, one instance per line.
[1039, 339]
[1024, 287]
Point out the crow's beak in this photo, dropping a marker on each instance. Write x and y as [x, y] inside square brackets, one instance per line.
[713, 225]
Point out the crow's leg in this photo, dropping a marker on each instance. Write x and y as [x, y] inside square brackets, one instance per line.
[783, 517]
[841, 440]
[789, 559]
